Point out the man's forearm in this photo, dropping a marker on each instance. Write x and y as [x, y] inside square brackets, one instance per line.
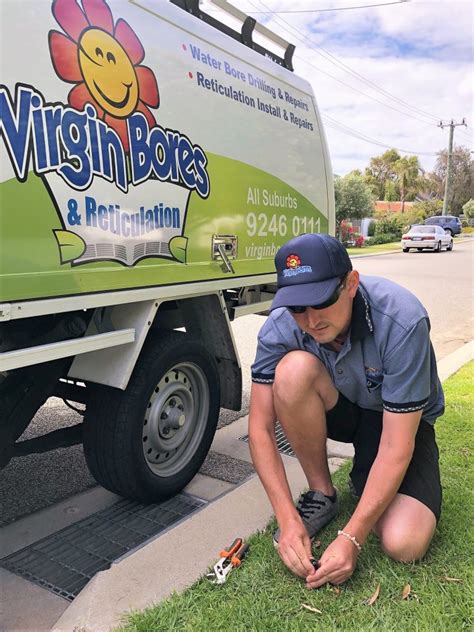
[269, 467]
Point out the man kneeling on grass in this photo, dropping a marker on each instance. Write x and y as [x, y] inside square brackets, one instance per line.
[349, 358]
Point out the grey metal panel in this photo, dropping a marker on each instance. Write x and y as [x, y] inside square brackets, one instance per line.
[114, 366]
[27, 309]
[53, 351]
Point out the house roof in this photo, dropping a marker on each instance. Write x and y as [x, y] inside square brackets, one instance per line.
[394, 207]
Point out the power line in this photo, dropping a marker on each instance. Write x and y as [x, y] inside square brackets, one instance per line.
[331, 122]
[298, 37]
[364, 6]
[344, 129]
[370, 83]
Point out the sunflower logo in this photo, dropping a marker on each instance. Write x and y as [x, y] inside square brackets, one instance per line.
[293, 261]
[104, 61]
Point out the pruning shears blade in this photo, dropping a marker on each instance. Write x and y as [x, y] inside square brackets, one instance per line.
[230, 558]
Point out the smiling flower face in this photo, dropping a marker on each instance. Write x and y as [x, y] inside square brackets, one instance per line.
[293, 261]
[108, 73]
[104, 61]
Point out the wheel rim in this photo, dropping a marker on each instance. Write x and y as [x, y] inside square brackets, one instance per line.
[175, 419]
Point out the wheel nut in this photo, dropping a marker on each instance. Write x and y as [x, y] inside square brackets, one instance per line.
[172, 402]
[163, 416]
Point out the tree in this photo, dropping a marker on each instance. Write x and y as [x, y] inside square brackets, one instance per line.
[380, 171]
[407, 170]
[353, 198]
[468, 209]
[427, 208]
[462, 181]
[391, 194]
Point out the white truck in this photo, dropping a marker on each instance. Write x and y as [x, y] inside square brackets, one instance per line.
[153, 160]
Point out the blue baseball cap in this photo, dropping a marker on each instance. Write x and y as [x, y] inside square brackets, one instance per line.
[309, 269]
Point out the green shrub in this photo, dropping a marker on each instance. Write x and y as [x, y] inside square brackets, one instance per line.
[415, 215]
[389, 226]
[385, 238]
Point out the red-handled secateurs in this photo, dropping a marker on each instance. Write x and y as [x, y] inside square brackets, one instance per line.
[229, 558]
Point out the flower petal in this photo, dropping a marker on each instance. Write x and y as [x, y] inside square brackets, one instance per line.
[132, 45]
[70, 17]
[80, 95]
[141, 107]
[64, 57]
[120, 126]
[99, 14]
[148, 88]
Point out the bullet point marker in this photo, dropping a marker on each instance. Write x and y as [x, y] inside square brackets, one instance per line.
[190, 75]
[184, 47]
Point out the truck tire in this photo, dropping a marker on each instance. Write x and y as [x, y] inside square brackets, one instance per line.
[148, 441]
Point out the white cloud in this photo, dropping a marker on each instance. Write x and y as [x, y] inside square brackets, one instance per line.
[419, 51]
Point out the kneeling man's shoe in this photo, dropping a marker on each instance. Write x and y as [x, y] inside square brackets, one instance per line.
[316, 510]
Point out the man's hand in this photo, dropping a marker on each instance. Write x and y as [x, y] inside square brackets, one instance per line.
[294, 548]
[337, 564]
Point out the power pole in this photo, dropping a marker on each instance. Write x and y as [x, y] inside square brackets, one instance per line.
[447, 188]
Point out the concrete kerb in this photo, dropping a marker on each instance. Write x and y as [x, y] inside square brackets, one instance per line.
[178, 558]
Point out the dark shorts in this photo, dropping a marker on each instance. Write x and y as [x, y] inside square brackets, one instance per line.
[348, 423]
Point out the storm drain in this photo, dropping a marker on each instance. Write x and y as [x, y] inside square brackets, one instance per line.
[282, 442]
[64, 562]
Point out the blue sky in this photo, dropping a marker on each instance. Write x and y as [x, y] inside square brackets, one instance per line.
[420, 52]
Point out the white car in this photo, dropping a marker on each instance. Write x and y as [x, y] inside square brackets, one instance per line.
[424, 237]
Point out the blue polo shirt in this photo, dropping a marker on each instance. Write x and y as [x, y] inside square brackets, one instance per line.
[387, 361]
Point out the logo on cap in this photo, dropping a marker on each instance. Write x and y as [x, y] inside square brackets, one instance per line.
[293, 261]
[294, 267]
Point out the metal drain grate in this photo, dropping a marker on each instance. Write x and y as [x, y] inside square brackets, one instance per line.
[282, 442]
[64, 562]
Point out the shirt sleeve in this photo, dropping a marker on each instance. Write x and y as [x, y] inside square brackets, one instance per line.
[407, 380]
[270, 350]
[277, 337]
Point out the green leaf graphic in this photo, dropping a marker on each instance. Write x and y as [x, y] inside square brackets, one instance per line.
[71, 246]
[178, 246]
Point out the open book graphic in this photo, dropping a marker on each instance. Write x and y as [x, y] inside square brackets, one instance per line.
[104, 224]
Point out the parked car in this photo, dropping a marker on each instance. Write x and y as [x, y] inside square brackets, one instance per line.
[424, 237]
[449, 223]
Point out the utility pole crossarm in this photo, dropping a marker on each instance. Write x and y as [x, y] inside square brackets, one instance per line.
[447, 189]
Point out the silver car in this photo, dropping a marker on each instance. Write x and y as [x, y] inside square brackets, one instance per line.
[427, 238]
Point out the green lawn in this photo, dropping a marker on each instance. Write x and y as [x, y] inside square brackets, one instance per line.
[263, 596]
[394, 245]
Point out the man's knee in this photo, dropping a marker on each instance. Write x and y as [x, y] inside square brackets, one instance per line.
[296, 372]
[403, 543]
[404, 547]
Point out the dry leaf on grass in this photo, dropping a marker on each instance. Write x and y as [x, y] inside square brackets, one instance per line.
[336, 590]
[406, 591]
[317, 544]
[453, 579]
[374, 597]
[311, 609]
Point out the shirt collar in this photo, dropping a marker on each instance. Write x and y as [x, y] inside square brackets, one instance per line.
[361, 322]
